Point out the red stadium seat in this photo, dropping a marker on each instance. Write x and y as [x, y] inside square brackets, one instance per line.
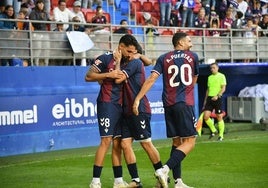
[147, 6]
[135, 7]
[89, 16]
[156, 6]
[167, 32]
[69, 3]
[54, 3]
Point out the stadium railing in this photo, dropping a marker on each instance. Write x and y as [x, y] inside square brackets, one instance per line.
[54, 45]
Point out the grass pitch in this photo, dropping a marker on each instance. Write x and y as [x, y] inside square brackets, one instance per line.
[241, 160]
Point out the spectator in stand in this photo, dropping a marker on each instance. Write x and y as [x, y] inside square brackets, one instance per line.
[28, 5]
[227, 22]
[123, 29]
[242, 6]
[221, 8]
[99, 18]
[257, 9]
[38, 13]
[15, 4]
[47, 5]
[165, 11]
[90, 3]
[7, 14]
[2, 7]
[214, 33]
[61, 13]
[264, 25]
[201, 21]
[187, 13]
[238, 24]
[215, 24]
[209, 5]
[21, 25]
[59, 27]
[150, 29]
[264, 8]
[76, 27]
[77, 11]
[250, 33]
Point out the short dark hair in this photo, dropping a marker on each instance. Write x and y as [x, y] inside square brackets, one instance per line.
[128, 40]
[98, 7]
[215, 63]
[177, 37]
[123, 20]
[239, 14]
[61, 1]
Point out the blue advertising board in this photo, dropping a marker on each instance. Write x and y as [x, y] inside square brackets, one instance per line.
[31, 124]
[53, 108]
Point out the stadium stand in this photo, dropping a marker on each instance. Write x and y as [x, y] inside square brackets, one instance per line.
[124, 7]
[147, 6]
[136, 6]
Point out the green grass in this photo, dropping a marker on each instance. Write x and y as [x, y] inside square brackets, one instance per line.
[241, 160]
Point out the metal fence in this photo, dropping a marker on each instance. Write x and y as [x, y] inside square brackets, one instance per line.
[52, 47]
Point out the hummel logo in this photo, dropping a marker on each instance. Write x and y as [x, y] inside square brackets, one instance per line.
[102, 121]
[143, 125]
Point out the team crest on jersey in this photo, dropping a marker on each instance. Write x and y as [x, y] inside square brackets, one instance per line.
[97, 62]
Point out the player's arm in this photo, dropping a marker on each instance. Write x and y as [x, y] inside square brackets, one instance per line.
[195, 77]
[223, 88]
[205, 99]
[145, 88]
[94, 75]
[121, 79]
[145, 60]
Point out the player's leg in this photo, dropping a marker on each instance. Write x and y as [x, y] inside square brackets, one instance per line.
[210, 123]
[180, 121]
[99, 159]
[219, 115]
[207, 112]
[141, 131]
[130, 159]
[221, 126]
[108, 117]
[117, 164]
[129, 155]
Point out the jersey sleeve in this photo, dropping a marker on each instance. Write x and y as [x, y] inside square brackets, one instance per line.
[223, 80]
[132, 67]
[158, 68]
[196, 64]
[101, 62]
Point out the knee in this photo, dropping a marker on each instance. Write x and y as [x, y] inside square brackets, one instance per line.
[146, 145]
[106, 141]
[126, 144]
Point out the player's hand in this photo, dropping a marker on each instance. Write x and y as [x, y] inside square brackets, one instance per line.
[117, 55]
[135, 107]
[116, 74]
[214, 98]
[136, 56]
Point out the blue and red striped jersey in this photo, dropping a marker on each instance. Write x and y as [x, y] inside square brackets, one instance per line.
[109, 90]
[178, 69]
[135, 73]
